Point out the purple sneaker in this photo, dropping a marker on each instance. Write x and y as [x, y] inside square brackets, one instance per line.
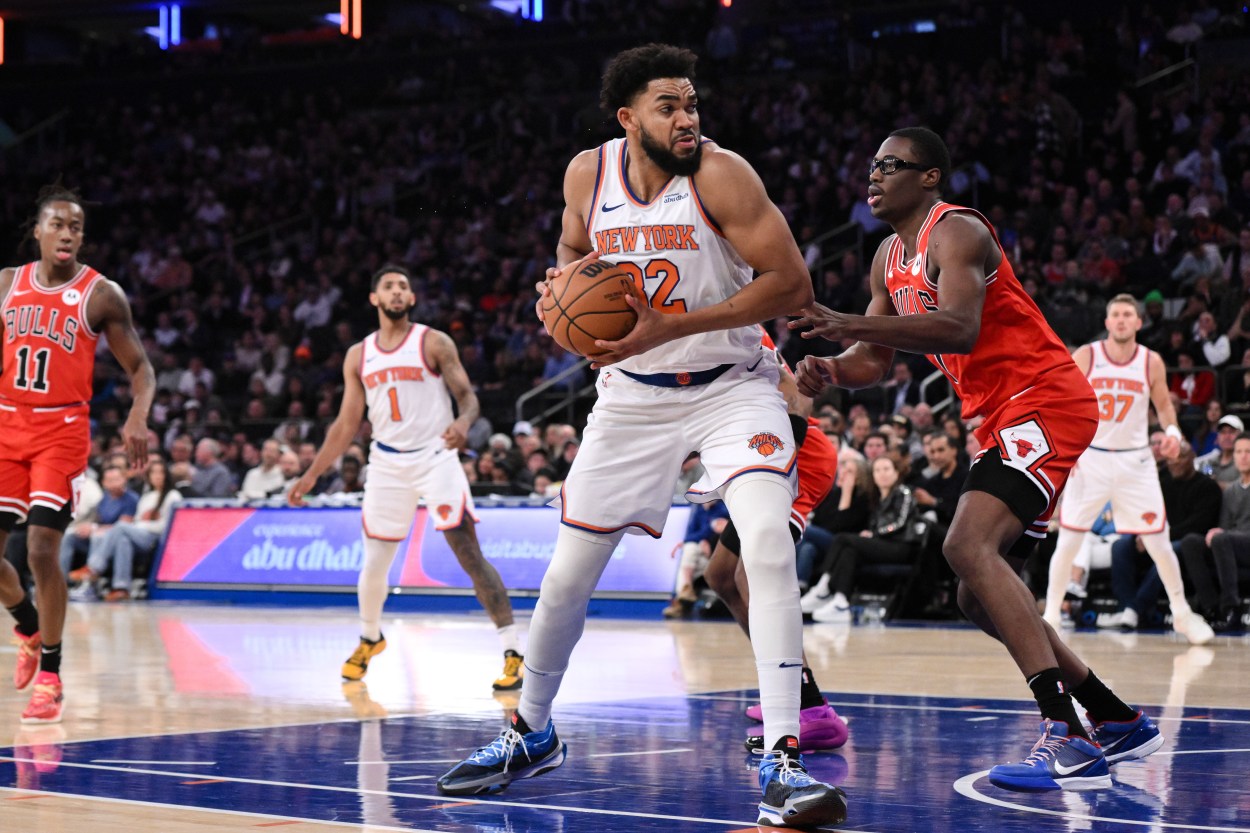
[755, 713]
[820, 727]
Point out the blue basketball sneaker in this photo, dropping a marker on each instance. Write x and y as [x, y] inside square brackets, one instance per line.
[792, 798]
[1128, 740]
[1058, 762]
[510, 756]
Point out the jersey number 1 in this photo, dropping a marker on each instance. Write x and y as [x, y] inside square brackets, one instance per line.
[32, 375]
[396, 416]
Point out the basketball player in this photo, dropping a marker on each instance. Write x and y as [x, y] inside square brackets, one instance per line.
[402, 373]
[1119, 467]
[52, 313]
[942, 285]
[820, 727]
[693, 220]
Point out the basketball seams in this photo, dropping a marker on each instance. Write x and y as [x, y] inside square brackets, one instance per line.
[574, 333]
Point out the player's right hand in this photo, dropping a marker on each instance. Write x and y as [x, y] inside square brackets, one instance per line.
[295, 497]
[814, 374]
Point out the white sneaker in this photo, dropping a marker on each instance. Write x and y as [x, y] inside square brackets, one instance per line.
[815, 597]
[1193, 627]
[1077, 590]
[1059, 622]
[1126, 618]
[835, 611]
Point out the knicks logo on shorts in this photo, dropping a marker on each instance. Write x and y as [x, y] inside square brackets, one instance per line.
[766, 444]
[1149, 517]
[444, 511]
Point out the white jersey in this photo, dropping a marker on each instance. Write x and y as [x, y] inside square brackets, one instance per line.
[409, 405]
[682, 260]
[1123, 392]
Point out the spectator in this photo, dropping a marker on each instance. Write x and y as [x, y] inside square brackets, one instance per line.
[940, 491]
[706, 523]
[1215, 561]
[210, 478]
[1219, 464]
[117, 504]
[1214, 344]
[127, 541]
[1192, 387]
[349, 479]
[266, 479]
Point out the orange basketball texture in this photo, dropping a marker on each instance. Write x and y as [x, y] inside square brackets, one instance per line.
[588, 303]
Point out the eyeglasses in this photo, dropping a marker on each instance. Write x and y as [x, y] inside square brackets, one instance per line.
[892, 165]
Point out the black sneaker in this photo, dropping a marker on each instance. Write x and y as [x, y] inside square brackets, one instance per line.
[792, 798]
[510, 757]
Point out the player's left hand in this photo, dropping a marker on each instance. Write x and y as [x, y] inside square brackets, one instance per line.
[457, 435]
[1170, 448]
[823, 323]
[135, 437]
[651, 331]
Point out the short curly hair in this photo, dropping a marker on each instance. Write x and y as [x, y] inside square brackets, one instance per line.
[629, 72]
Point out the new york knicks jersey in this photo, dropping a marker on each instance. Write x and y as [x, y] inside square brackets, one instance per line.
[1015, 350]
[679, 257]
[48, 357]
[408, 404]
[1123, 392]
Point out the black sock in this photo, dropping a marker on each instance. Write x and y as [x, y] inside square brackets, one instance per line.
[50, 659]
[1101, 702]
[809, 693]
[788, 744]
[27, 617]
[519, 724]
[369, 641]
[1054, 701]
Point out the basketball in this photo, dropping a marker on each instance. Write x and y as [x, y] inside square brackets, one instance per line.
[587, 302]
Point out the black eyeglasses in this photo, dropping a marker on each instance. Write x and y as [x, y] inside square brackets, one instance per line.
[892, 165]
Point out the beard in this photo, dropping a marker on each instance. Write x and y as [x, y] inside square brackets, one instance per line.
[396, 314]
[668, 161]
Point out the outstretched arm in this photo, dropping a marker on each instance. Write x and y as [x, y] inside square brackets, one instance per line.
[862, 364]
[341, 432]
[442, 350]
[118, 327]
[959, 246]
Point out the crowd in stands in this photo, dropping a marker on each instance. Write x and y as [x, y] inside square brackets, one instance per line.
[244, 220]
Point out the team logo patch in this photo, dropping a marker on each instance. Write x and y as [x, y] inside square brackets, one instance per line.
[1023, 447]
[72, 296]
[766, 444]
[1149, 517]
[1025, 443]
[444, 511]
[683, 378]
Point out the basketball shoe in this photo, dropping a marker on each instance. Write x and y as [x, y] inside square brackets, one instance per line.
[513, 672]
[1128, 740]
[820, 727]
[1193, 627]
[356, 693]
[792, 798]
[1058, 761]
[510, 757]
[358, 663]
[27, 659]
[47, 700]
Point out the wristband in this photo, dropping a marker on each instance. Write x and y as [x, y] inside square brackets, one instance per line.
[1173, 431]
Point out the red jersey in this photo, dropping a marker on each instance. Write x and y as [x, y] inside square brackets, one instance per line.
[48, 357]
[1016, 349]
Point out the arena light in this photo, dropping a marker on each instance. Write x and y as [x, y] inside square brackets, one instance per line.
[344, 17]
[356, 26]
[175, 24]
[536, 11]
[1, 40]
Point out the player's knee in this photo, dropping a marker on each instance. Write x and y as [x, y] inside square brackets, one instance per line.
[719, 576]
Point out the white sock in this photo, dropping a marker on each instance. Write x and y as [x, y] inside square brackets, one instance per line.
[560, 617]
[760, 508]
[509, 638]
[840, 600]
[1066, 547]
[372, 586]
[1164, 557]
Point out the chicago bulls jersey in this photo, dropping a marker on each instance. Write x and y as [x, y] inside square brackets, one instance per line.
[409, 406]
[48, 357]
[1015, 350]
[679, 257]
[1123, 392]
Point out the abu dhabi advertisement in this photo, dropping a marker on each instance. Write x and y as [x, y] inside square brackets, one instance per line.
[321, 548]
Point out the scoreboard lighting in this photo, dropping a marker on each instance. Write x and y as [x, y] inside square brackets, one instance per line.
[1, 40]
[168, 31]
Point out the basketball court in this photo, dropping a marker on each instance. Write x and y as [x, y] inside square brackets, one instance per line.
[186, 717]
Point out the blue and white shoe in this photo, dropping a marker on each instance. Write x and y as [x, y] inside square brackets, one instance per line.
[792, 798]
[1058, 762]
[1128, 740]
[510, 757]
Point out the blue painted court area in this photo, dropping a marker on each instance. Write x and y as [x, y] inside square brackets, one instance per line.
[912, 764]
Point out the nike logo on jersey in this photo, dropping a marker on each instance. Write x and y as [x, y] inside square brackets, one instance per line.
[70, 419]
[23, 292]
[757, 364]
[606, 207]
